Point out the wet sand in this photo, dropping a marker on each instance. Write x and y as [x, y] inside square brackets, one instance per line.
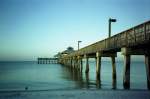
[77, 94]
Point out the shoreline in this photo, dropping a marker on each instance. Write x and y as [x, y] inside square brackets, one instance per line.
[72, 89]
[78, 94]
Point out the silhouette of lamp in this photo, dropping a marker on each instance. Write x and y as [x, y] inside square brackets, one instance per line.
[109, 27]
[78, 44]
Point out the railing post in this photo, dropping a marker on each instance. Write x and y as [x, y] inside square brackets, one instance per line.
[134, 35]
[126, 39]
[144, 31]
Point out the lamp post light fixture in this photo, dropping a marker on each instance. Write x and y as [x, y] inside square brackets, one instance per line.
[109, 27]
[78, 44]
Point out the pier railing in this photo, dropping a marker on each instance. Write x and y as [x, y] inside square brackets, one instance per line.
[134, 36]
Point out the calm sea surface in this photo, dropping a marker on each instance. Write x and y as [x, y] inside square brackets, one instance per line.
[18, 75]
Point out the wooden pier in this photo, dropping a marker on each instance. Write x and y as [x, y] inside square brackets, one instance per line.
[47, 60]
[134, 41]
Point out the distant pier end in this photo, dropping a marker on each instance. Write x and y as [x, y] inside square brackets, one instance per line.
[47, 60]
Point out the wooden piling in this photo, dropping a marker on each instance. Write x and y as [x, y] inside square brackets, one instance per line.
[147, 63]
[81, 65]
[113, 72]
[73, 63]
[98, 66]
[126, 76]
[126, 72]
[87, 65]
[78, 63]
[87, 80]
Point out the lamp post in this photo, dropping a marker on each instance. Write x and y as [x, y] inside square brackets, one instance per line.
[79, 43]
[109, 27]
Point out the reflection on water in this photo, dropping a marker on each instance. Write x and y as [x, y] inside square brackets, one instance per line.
[74, 75]
[19, 75]
[98, 83]
[89, 80]
[78, 77]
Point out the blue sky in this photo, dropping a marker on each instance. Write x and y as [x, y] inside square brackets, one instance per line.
[32, 28]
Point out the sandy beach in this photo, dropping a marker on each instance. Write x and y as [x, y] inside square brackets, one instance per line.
[77, 94]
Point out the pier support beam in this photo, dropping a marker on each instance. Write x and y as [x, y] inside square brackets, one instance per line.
[81, 65]
[87, 64]
[75, 63]
[98, 66]
[127, 52]
[78, 63]
[87, 80]
[147, 63]
[72, 63]
[113, 72]
[126, 75]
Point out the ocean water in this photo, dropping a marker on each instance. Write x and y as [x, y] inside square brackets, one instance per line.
[21, 75]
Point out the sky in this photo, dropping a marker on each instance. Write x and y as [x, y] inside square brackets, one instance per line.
[41, 28]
